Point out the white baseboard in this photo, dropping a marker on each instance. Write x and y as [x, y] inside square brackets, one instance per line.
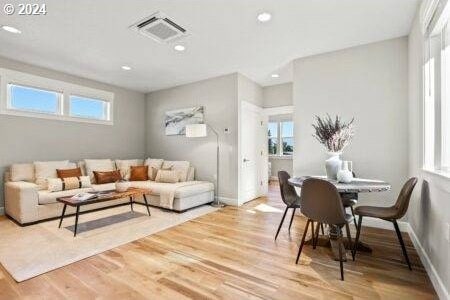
[378, 223]
[228, 201]
[426, 262]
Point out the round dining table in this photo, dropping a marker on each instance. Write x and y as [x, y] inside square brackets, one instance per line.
[357, 185]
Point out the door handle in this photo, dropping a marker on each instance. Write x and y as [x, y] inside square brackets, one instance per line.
[246, 160]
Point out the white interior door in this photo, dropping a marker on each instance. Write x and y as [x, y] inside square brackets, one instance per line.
[254, 160]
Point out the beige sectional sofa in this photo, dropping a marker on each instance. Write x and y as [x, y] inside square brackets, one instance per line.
[27, 201]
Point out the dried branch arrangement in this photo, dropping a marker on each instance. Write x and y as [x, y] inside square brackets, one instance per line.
[335, 134]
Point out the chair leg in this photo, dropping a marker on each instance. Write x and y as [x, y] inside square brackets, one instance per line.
[358, 232]
[349, 236]
[281, 223]
[321, 227]
[292, 219]
[341, 263]
[354, 217]
[316, 234]
[312, 232]
[400, 239]
[303, 240]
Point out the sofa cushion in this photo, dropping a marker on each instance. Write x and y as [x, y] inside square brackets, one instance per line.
[104, 187]
[47, 197]
[153, 166]
[182, 167]
[68, 183]
[47, 169]
[124, 166]
[182, 190]
[101, 165]
[22, 172]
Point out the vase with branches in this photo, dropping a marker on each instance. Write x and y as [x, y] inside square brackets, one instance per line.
[335, 135]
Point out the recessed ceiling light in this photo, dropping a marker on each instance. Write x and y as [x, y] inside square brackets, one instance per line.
[264, 17]
[275, 75]
[179, 48]
[11, 29]
[126, 68]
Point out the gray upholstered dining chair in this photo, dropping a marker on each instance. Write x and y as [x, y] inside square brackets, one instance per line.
[391, 214]
[289, 197]
[322, 203]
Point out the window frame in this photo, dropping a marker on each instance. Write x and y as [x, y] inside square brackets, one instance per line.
[436, 96]
[65, 90]
[280, 138]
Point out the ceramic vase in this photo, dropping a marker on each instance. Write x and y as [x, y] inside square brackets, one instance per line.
[345, 175]
[122, 186]
[333, 165]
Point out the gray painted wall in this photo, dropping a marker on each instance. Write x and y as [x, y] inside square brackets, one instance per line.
[27, 139]
[277, 95]
[366, 82]
[429, 211]
[219, 96]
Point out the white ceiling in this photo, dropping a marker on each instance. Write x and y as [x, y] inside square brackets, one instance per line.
[91, 38]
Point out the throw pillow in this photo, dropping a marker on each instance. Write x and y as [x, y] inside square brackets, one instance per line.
[167, 176]
[139, 173]
[68, 183]
[99, 165]
[124, 166]
[107, 177]
[181, 166]
[64, 173]
[154, 165]
[47, 169]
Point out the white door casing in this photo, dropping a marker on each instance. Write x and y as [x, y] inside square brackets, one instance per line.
[253, 181]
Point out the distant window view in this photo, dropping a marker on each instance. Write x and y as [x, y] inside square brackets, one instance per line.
[87, 108]
[281, 138]
[32, 99]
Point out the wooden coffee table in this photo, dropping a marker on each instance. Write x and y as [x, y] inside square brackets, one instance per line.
[103, 196]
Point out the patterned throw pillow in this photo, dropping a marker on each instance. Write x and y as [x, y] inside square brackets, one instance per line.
[68, 183]
[167, 176]
[107, 177]
[138, 173]
[64, 173]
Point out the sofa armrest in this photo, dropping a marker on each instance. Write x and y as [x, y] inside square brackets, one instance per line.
[21, 201]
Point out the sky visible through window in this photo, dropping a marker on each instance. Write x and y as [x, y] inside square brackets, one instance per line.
[25, 98]
[43, 101]
[86, 107]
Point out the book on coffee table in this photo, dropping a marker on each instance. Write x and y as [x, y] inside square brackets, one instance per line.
[83, 196]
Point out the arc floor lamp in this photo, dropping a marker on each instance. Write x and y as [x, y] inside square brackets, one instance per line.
[201, 130]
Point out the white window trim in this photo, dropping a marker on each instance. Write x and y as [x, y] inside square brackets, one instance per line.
[279, 138]
[64, 88]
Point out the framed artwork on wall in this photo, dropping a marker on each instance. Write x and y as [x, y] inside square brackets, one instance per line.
[176, 120]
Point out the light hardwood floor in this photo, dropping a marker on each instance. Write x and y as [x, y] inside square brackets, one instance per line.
[231, 254]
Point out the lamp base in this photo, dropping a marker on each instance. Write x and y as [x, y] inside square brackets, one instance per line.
[217, 204]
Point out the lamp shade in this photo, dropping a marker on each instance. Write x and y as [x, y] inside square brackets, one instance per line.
[196, 130]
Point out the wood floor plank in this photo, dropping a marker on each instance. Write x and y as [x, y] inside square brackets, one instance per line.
[231, 254]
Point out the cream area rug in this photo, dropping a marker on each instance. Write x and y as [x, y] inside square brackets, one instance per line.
[26, 252]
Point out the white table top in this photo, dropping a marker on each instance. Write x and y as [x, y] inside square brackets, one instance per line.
[358, 185]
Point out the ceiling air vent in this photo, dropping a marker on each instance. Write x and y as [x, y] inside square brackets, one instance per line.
[160, 28]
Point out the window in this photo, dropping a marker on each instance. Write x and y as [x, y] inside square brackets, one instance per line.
[436, 98]
[32, 99]
[34, 96]
[281, 138]
[82, 107]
